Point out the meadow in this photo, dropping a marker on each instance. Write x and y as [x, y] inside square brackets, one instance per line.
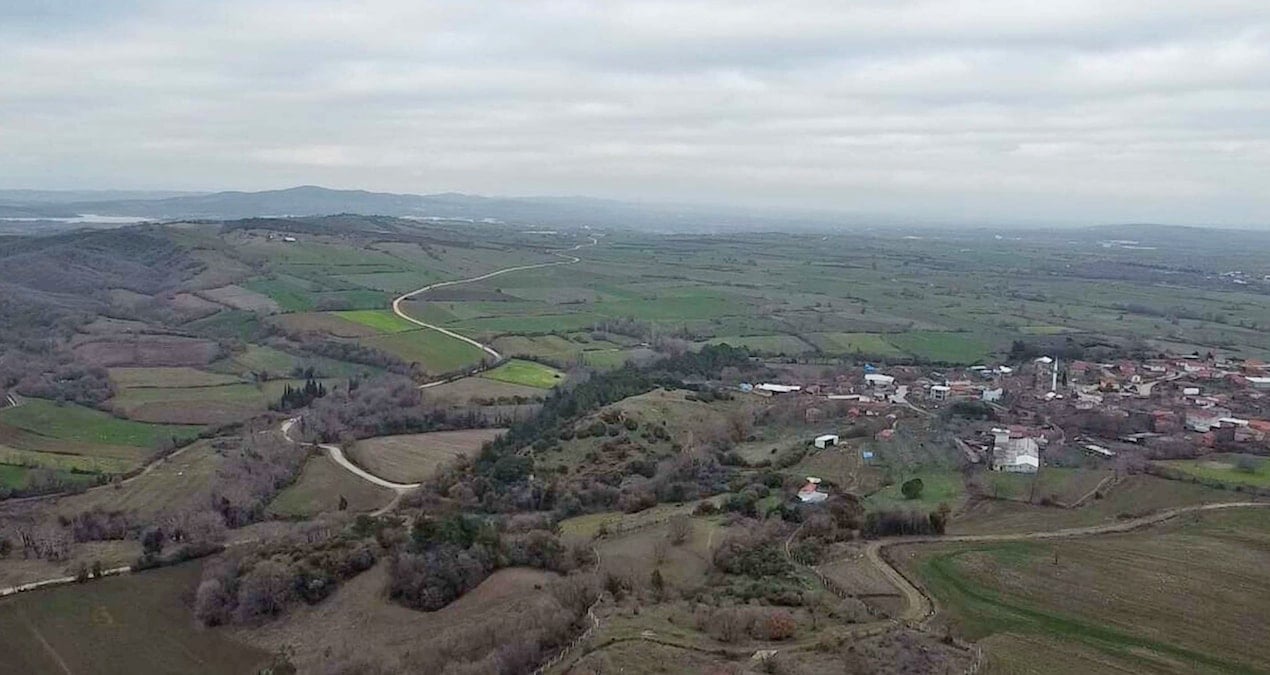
[527, 373]
[1227, 468]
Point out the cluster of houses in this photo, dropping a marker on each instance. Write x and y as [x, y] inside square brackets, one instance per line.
[1201, 401]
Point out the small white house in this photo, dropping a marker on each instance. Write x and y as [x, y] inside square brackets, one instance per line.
[289, 239]
[1190, 391]
[777, 388]
[826, 441]
[992, 395]
[939, 392]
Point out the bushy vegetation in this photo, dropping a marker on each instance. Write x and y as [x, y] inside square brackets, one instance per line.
[446, 557]
[261, 585]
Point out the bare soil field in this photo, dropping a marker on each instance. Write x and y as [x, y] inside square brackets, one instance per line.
[190, 304]
[238, 297]
[322, 322]
[859, 577]
[168, 377]
[147, 350]
[410, 458]
[318, 489]
[357, 622]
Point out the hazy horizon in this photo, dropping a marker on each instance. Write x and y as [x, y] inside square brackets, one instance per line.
[989, 111]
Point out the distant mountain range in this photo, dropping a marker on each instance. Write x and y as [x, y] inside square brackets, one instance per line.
[69, 208]
[313, 200]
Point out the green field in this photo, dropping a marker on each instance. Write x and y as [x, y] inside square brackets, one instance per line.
[941, 346]
[1154, 600]
[771, 344]
[85, 425]
[870, 344]
[289, 296]
[382, 320]
[137, 623]
[64, 461]
[939, 487]
[528, 373]
[435, 352]
[1227, 468]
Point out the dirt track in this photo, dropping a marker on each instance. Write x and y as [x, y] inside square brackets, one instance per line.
[396, 303]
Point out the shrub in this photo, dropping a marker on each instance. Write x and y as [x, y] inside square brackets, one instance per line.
[779, 625]
[912, 489]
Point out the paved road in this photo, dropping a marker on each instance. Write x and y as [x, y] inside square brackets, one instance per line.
[396, 303]
[920, 606]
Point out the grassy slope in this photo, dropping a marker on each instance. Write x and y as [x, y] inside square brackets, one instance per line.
[319, 488]
[84, 425]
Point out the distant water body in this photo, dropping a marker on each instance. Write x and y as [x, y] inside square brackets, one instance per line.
[83, 218]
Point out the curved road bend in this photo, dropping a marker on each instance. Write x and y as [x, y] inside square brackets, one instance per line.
[334, 451]
[396, 303]
[921, 608]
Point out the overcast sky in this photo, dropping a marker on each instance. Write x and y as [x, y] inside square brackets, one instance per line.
[1071, 110]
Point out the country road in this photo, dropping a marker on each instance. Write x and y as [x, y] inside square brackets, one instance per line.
[920, 607]
[337, 454]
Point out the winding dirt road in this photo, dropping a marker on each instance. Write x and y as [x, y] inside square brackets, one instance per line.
[337, 454]
[396, 303]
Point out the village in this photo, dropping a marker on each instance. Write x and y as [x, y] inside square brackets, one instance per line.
[1019, 418]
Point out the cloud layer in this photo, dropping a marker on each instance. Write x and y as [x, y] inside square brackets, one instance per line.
[1082, 110]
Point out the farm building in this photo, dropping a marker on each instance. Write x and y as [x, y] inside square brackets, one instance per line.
[826, 441]
[1014, 451]
[811, 492]
[939, 392]
[772, 389]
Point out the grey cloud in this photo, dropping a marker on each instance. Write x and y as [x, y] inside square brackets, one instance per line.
[1074, 111]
